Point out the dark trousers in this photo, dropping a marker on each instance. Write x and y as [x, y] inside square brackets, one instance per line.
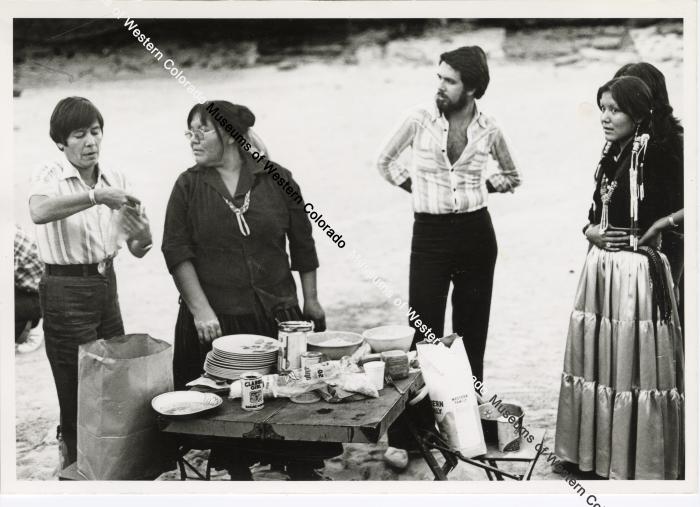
[459, 249]
[76, 310]
[27, 309]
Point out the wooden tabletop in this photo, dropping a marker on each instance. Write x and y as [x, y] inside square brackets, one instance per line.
[363, 421]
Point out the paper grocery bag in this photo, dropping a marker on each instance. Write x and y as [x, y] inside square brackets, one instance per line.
[448, 377]
[118, 438]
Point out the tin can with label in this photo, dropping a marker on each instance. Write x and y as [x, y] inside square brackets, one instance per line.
[307, 360]
[252, 391]
[292, 337]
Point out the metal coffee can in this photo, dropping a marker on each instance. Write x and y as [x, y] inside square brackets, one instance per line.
[251, 391]
[292, 337]
[307, 359]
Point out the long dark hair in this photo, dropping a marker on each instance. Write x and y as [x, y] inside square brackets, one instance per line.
[633, 97]
[669, 130]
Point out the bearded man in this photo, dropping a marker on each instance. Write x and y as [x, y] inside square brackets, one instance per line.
[453, 237]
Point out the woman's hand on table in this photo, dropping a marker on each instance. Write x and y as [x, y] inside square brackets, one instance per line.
[207, 325]
[314, 311]
[612, 241]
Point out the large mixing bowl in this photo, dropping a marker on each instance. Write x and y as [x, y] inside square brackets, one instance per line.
[334, 344]
[385, 338]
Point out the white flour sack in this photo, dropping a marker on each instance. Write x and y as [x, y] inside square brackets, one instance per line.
[448, 376]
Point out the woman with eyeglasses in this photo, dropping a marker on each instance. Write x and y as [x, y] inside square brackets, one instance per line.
[621, 400]
[227, 226]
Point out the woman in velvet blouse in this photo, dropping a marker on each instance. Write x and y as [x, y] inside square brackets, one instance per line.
[227, 227]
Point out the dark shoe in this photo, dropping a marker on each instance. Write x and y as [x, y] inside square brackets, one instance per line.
[304, 472]
[239, 473]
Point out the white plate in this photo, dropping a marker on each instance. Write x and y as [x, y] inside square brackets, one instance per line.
[262, 360]
[185, 403]
[255, 355]
[254, 363]
[229, 374]
[245, 344]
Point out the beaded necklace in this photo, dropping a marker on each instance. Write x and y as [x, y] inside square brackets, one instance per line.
[242, 224]
[636, 177]
[606, 193]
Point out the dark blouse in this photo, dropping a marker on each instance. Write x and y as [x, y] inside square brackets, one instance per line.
[233, 269]
[663, 187]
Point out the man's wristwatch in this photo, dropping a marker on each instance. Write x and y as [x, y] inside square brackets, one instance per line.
[585, 228]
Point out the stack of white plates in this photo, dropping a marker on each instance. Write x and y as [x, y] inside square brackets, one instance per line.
[239, 353]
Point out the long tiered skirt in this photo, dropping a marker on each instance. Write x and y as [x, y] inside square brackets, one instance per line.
[621, 402]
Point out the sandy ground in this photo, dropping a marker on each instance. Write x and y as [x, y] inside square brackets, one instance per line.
[326, 122]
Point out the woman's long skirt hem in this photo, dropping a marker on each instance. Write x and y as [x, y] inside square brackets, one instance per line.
[621, 401]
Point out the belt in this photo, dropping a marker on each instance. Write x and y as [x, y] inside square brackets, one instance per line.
[451, 218]
[76, 269]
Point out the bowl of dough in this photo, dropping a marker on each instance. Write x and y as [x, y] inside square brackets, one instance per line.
[334, 344]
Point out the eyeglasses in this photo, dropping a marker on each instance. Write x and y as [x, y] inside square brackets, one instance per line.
[197, 133]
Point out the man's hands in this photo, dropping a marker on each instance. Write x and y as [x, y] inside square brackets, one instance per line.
[613, 241]
[114, 198]
[407, 185]
[137, 225]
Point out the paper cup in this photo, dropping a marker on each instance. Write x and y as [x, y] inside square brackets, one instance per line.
[375, 371]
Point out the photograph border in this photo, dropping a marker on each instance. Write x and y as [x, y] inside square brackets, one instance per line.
[468, 10]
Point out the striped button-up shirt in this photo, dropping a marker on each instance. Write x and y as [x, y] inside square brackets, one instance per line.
[85, 237]
[439, 186]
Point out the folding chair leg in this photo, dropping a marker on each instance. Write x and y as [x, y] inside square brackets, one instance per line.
[181, 466]
[450, 462]
[494, 464]
[531, 468]
[438, 472]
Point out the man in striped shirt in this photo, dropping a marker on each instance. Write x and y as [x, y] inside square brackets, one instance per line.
[72, 201]
[453, 238]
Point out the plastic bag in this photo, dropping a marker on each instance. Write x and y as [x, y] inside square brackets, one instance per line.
[118, 437]
[276, 386]
[343, 374]
[448, 377]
